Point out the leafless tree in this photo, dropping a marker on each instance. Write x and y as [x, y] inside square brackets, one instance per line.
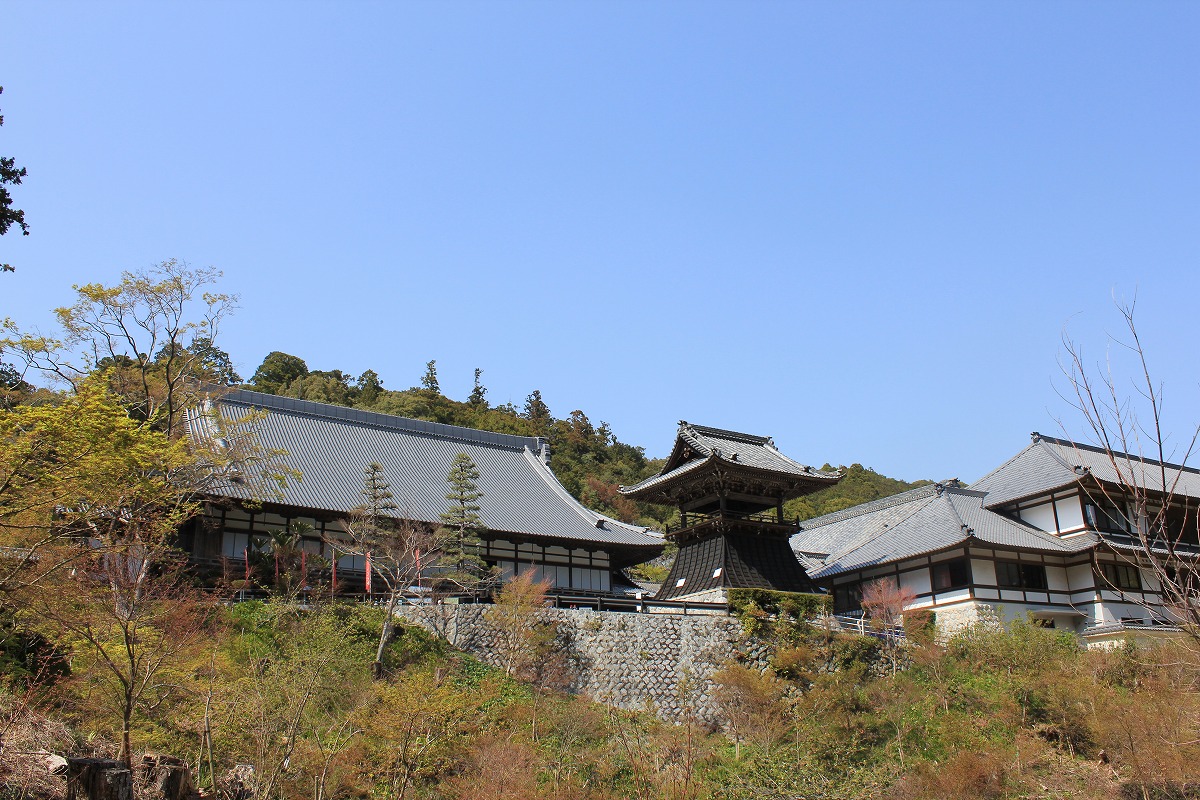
[397, 549]
[1123, 415]
[884, 601]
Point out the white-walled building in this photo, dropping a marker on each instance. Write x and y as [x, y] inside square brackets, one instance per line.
[1046, 534]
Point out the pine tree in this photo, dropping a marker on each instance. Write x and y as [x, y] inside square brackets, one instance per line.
[379, 497]
[461, 526]
[429, 380]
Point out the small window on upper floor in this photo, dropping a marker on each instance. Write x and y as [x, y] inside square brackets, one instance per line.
[1122, 576]
[1019, 575]
[953, 574]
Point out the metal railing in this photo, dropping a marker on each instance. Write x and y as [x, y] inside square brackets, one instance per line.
[857, 622]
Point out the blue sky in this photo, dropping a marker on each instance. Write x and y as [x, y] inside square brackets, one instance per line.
[858, 227]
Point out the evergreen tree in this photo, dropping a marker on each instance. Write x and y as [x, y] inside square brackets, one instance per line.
[477, 394]
[537, 412]
[276, 371]
[461, 526]
[369, 387]
[12, 174]
[429, 381]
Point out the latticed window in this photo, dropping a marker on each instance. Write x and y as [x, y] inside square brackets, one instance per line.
[1018, 575]
[952, 574]
[1122, 576]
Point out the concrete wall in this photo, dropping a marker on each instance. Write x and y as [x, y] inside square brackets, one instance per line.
[658, 662]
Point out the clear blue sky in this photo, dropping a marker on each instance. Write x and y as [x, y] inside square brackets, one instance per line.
[858, 227]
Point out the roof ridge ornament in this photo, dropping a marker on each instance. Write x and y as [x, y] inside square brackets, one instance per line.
[1035, 437]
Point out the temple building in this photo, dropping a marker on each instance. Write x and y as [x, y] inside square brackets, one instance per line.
[730, 489]
[1051, 534]
[532, 521]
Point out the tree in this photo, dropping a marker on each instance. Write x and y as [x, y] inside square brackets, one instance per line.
[884, 601]
[276, 371]
[212, 363]
[84, 484]
[9, 216]
[394, 546]
[517, 615]
[1161, 517]
[429, 381]
[461, 526]
[752, 703]
[478, 392]
[369, 387]
[117, 329]
[537, 412]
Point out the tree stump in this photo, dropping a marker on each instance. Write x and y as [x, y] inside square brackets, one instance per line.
[165, 777]
[98, 779]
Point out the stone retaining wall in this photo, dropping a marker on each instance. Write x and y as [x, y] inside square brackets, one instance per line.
[657, 662]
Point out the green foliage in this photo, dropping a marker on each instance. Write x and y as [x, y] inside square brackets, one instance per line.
[277, 371]
[755, 607]
[860, 485]
[1019, 646]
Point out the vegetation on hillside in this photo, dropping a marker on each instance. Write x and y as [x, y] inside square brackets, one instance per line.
[860, 485]
[106, 650]
[588, 459]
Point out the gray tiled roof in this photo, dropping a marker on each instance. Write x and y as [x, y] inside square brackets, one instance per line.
[1048, 464]
[331, 445]
[730, 447]
[922, 520]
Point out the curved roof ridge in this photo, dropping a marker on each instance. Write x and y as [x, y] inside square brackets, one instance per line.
[375, 419]
[724, 433]
[871, 506]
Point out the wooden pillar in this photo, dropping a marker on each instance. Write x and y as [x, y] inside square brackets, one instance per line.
[779, 510]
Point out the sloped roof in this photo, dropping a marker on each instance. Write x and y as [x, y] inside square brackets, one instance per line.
[923, 520]
[331, 446]
[696, 445]
[1048, 464]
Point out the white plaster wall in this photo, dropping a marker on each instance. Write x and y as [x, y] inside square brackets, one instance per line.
[1070, 514]
[983, 571]
[1040, 517]
[1079, 576]
[918, 581]
[1056, 579]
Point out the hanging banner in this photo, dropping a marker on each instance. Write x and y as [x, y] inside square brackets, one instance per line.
[246, 556]
[368, 586]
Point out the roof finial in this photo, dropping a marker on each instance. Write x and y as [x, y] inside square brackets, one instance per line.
[1035, 437]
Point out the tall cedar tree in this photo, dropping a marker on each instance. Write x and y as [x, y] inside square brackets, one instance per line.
[479, 391]
[538, 413]
[429, 380]
[461, 525]
[9, 216]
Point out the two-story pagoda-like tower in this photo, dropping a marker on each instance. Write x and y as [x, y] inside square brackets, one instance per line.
[730, 489]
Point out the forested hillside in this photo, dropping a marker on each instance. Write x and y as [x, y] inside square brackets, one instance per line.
[861, 485]
[589, 459]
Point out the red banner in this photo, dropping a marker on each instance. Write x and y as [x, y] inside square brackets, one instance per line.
[368, 586]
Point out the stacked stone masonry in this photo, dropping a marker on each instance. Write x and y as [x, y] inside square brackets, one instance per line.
[658, 662]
